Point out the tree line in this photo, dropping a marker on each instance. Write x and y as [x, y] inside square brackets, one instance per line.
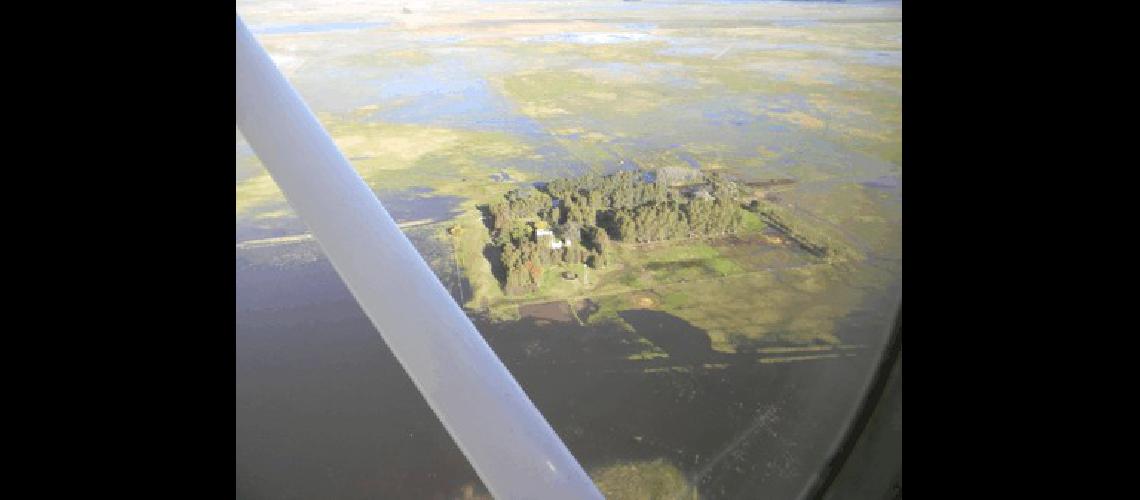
[817, 242]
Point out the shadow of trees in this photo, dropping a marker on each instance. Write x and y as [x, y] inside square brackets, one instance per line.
[494, 254]
[736, 429]
[491, 252]
[683, 342]
[485, 215]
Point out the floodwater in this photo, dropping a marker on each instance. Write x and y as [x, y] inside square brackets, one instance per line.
[442, 103]
[325, 411]
[311, 28]
[407, 206]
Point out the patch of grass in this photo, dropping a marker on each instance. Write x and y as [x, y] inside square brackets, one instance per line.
[680, 251]
[723, 266]
[608, 308]
[797, 307]
[648, 352]
[471, 238]
[643, 480]
[556, 93]
[504, 312]
[678, 261]
[752, 223]
[674, 300]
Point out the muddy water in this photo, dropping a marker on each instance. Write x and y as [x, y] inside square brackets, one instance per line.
[324, 410]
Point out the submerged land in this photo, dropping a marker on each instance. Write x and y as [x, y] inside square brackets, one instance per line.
[677, 222]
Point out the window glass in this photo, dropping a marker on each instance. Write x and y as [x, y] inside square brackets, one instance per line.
[700, 203]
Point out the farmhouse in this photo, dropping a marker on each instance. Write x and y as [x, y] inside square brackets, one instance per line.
[554, 243]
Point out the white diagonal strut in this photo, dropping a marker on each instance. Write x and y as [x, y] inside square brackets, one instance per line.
[511, 446]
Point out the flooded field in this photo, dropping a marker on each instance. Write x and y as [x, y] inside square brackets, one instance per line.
[712, 369]
[324, 410]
